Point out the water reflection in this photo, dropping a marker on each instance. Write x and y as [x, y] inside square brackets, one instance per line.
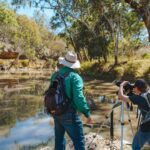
[32, 131]
[23, 123]
[24, 126]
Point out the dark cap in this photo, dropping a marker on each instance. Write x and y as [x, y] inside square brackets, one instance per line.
[141, 85]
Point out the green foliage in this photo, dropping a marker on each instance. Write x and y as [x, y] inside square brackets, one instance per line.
[126, 71]
[98, 47]
[30, 53]
[95, 26]
[147, 74]
[8, 24]
[28, 31]
[132, 70]
[128, 46]
[146, 56]
[31, 38]
[89, 68]
[94, 30]
[50, 64]
[7, 16]
[118, 72]
[25, 63]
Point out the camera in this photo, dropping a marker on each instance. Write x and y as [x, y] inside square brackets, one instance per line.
[127, 88]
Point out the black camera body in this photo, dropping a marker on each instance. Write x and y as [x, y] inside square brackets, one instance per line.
[127, 88]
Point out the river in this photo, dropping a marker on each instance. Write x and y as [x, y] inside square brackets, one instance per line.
[23, 123]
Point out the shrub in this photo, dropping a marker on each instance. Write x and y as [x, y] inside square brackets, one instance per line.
[1, 62]
[88, 68]
[24, 63]
[146, 56]
[132, 70]
[118, 72]
[147, 75]
[50, 64]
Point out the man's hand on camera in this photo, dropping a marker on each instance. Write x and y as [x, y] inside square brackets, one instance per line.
[124, 83]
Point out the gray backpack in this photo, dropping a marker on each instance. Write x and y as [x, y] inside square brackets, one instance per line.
[56, 101]
[145, 125]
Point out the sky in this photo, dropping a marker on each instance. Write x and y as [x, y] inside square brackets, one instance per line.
[30, 12]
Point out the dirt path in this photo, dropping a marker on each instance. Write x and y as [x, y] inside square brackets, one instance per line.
[97, 88]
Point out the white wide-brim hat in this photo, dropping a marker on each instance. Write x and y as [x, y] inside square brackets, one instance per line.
[70, 60]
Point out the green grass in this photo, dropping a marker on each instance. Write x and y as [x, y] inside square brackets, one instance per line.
[126, 69]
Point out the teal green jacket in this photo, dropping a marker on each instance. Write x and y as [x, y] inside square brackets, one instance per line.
[75, 83]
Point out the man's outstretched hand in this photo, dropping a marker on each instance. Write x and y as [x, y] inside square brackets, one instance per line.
[89, 121]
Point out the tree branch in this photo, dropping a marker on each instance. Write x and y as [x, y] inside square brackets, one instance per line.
[142, 9]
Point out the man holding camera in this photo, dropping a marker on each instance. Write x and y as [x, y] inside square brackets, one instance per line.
[140, 87]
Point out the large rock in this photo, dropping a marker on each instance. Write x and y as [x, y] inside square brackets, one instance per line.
[8, 55]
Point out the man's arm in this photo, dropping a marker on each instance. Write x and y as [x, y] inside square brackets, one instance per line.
[78, 96]
[121, 95]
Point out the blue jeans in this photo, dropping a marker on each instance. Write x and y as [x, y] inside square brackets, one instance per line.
[71, 123]
[140, 139]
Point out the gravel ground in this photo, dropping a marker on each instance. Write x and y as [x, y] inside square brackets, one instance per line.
[94, 141]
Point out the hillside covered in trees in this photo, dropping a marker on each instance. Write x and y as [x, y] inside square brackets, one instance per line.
[27, 38]
[103, 33]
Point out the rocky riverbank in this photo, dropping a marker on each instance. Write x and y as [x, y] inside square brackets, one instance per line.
[95, 141]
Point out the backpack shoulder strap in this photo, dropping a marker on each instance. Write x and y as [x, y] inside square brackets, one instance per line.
[66, 74]
[147, 98]
[61, 79]
[57, 75]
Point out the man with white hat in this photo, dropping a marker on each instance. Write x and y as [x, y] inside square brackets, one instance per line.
[70, 121]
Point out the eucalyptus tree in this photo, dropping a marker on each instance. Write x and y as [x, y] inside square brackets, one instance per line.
[90, 24]
[142, 8]
[117, 22]
[8, 23]
[102, 22]
[104, 14]
[63, 9]
[28, 35]
[86, 29]
[92, 34]
[66, 13]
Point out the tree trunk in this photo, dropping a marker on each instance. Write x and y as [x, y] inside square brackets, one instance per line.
[116, 47]
[149, 32]
[105, 58]
[142, 8]
[86, 55]
[146, 19]
[79, 57]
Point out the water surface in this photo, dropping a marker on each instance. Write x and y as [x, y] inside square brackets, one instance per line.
[23, 123]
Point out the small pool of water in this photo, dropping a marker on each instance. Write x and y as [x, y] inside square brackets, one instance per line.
[23, 123]
[24, 134]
